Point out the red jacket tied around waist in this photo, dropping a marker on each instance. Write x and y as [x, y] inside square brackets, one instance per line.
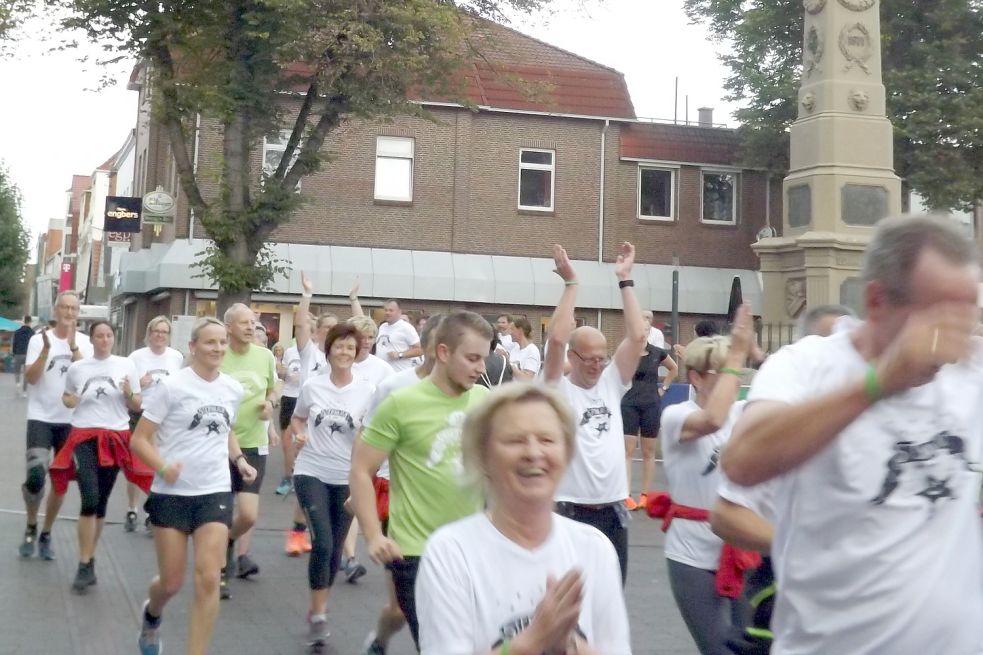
[113, 449]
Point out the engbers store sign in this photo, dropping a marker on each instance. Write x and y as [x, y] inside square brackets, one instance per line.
[122, 214]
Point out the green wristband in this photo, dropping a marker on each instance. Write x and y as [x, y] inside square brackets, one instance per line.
[732, 371]
[567, 283]
[163, 469]
[871, 385]
[504, 650]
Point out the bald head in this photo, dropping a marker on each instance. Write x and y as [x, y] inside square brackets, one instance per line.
[586, 337]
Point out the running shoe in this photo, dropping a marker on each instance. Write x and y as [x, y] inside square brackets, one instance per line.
[285, 487]
[305, 542]
[131, 521]
[246, 567]
[148, 526]
[317, 630]
[85, 577]
[295, 542]
[149, 641]
[630, 504]
[223, 585]
[30, 538]
[45, 551]
[373, 646]
[353, 570]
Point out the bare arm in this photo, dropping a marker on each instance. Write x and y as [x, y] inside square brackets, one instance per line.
[366, 461]
[413, 351]
[142, 444]
[671, 371]
[741, 527]
[712, 416]
[303, 312]
[70, 400]
[636, 331]
[561, 323]
[353, 298]
[34, 372]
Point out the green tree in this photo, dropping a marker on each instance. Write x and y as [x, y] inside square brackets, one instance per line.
[14, 243]
[933, 71]
[232, 61]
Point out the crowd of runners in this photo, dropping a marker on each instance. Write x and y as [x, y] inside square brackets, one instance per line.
[834, 510]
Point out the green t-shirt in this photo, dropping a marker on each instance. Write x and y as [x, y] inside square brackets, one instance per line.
[256, 372]
[420, 427]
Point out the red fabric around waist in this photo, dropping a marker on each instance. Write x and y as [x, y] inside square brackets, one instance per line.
[733, 561]
[113, 449]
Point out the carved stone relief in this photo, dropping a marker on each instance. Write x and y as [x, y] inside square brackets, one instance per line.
[809, 102]
[814, 49]
[858, 100]
[857, 5]
[856, 46]
[795, 296]
[814, 6]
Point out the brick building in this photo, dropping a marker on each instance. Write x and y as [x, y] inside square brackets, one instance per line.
[461, 211]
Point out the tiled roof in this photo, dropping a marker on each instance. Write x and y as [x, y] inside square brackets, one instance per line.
[680, 143]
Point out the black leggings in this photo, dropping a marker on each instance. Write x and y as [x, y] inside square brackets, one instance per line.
[606, 519]
[324, 507]
[710, 617]
[95, 482]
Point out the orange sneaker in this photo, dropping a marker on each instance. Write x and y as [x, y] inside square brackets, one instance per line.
[295, 542]
[643, 501]
[631, 504]
[305, 541]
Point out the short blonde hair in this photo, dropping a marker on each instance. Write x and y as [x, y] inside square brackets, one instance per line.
[706, 353]
[477, 428]
[204, 322]
[365, 325]
[154, 322]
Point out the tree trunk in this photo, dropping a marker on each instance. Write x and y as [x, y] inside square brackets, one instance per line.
[228, 298]
[241, 253]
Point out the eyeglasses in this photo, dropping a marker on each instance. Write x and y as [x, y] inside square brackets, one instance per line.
[162, 332]
[596, 361]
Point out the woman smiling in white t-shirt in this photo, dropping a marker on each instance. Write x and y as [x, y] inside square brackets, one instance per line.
[100, 389]
[519, 578]
[693, 434]
[329, 413]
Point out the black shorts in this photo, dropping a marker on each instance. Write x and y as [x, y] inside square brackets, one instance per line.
[188, 513]
[47, 435]
[642, 418]
[404, 572]
[287, 405]
[255, 460]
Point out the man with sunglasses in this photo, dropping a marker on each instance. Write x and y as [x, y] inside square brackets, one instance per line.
[595, 486]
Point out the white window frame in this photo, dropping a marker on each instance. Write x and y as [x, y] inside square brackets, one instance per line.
[281, 148]
[673, 178]
[381, 153]
[737, 194]
[537, 167]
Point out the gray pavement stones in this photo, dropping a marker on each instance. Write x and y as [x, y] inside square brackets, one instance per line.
[266, 614]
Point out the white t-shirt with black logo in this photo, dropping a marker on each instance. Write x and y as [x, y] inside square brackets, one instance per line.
[157, 366]
[477, 588]
[597, 473]
[195, 417]
[528, 359]
[372, 369]
[880, 530]
[334, 415]
[693, 475]
[292, 379]
[44, 398]
[396, 337]
[99, 385]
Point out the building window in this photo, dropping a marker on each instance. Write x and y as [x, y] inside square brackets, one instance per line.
[273, 149]
[720, 197]
[536, 168]
[394, 168]
[655, 193]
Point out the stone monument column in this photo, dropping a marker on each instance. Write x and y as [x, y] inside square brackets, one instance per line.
[841, 177]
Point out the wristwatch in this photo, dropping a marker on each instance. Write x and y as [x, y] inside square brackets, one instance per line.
[399, 355]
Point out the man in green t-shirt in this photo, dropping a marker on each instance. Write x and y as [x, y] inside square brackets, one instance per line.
[254, 367]
[419, 429]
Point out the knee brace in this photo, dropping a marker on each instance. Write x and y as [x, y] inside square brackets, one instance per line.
[37, 471]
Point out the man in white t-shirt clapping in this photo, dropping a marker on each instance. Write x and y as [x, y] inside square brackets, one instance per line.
[875, 439]
[595, 485]
[397, 342]
[525, 361]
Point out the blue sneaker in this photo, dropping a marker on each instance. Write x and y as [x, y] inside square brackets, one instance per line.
[284, 488]
[30, 540]
[45, 551]
[149, 641]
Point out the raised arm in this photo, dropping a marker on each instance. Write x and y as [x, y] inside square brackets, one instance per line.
[636, 331]
[353, 298]
[561, 323]
[303, 313]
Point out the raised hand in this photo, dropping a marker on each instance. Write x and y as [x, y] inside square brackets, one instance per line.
[356, 287]
[562, 265]
[742, 338]
[306, 283]
[45, 341]
[625, 261]
[556, 615]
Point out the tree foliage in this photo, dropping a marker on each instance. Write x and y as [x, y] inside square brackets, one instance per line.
[14, 244]
[261, 66]
[932, 67]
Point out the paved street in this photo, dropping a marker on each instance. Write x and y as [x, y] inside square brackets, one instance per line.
[38, 613]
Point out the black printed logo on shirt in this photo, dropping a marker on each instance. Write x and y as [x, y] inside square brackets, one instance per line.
[597, 418]
[929, 466]
[158, 374]
[340, 419]
[510, 630]
[212, 411]
[713, 462]
[60, 358]
[100, 390]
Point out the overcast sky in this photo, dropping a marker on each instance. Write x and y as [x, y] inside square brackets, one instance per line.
[52, 126]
